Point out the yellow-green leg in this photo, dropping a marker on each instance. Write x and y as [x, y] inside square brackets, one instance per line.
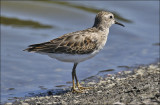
[73, 76]
[77, 83]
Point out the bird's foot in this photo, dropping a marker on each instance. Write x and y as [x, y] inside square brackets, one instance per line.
[74, 90]
[83, 88]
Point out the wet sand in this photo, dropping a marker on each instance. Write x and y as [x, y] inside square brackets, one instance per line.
[139, 86]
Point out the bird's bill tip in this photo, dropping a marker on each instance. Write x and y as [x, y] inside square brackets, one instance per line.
[119, 23]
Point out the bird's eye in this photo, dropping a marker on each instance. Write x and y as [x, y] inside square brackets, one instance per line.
[110, 17]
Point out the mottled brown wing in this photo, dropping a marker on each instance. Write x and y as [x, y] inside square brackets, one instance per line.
[76, 46]
[66, 44]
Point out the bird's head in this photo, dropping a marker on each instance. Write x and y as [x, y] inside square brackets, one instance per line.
[105, 19]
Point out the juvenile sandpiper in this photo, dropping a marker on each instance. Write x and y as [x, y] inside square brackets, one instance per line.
[78, 46]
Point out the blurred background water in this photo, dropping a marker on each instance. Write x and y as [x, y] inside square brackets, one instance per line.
[30, 22]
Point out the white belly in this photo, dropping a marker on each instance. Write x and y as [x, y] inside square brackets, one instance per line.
[72, 58]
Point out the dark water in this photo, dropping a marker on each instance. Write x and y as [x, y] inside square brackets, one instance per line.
[27, 22]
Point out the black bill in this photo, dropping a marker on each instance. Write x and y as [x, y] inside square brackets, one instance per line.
[119, 23]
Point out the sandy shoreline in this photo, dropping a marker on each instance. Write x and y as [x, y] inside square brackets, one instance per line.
[140, 86]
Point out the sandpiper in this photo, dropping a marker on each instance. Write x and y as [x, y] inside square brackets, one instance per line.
[78, 46]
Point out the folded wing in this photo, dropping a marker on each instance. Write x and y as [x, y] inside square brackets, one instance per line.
[68, 44]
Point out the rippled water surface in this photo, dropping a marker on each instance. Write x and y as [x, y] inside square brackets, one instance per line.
[28, 22]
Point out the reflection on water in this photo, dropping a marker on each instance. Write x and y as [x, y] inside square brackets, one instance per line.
[22, 23]
[156, 44]
[102, 71]
[29, 22]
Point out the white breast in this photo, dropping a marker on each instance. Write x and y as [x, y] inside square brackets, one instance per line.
[103, 40]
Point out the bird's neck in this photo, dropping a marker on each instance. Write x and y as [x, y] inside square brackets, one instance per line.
[101, 26]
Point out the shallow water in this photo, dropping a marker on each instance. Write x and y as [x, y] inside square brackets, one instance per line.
[28, 22]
